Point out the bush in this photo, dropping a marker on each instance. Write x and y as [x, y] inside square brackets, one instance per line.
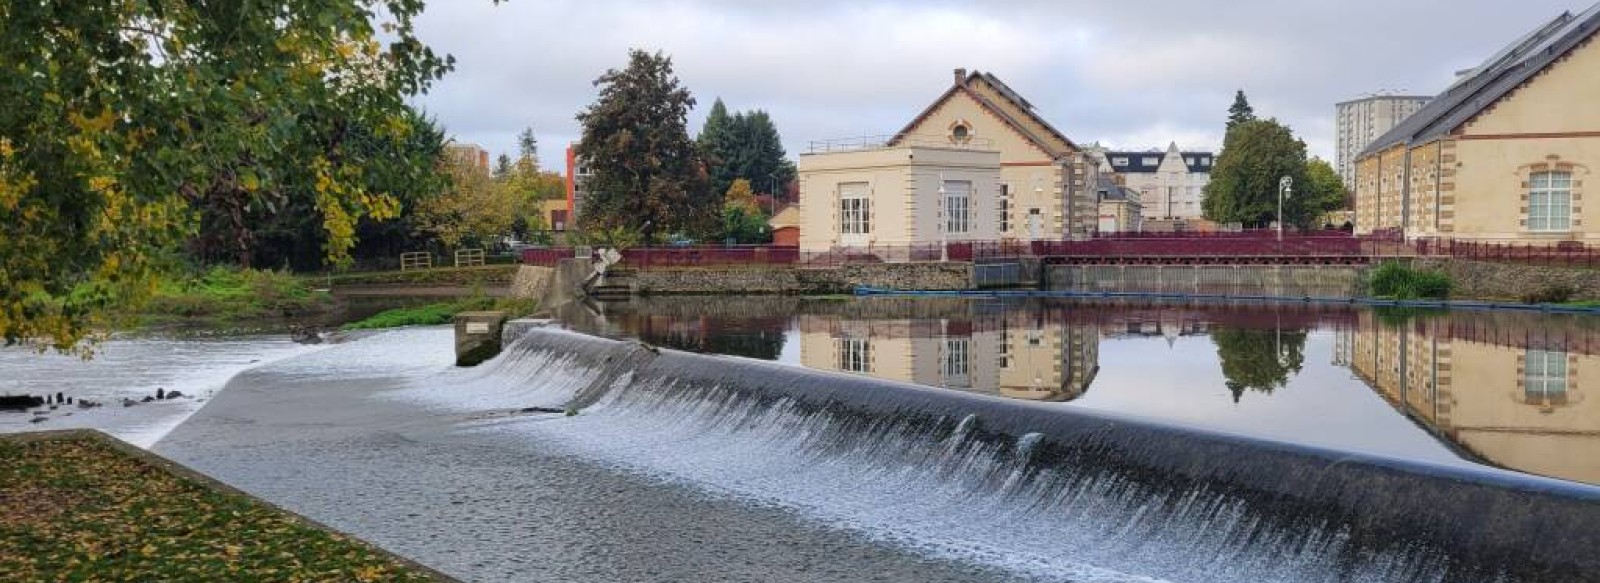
[1559, 293]
[1397, 281]
[236, 293]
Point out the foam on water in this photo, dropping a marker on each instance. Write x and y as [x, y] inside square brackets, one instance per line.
[946, 488]
[134, 369]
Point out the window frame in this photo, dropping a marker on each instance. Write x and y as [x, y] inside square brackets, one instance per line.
[957, 222]
[1543, 201]
[1544, 375]
[855, 209]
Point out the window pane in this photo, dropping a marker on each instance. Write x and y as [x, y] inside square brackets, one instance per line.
[1541, 180]
[1560, 180]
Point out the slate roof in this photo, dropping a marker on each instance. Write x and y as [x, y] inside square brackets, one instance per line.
[1136, 161]
[1108, 189]
[1492, 81]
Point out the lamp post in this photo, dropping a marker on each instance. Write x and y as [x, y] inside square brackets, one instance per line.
[943, 222]
[1285, 188]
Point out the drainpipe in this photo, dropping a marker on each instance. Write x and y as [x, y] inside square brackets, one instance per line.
[1438, 179]
[1405, 191]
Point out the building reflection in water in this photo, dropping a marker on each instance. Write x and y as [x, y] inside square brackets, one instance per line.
[1032, 354]
[1512, 392]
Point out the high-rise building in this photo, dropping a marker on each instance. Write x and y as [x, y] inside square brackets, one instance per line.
[1362, 121]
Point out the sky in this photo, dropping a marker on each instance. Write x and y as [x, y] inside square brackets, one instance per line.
[1130, 75]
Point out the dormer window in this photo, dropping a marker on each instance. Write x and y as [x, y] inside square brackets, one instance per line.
[1119, 161]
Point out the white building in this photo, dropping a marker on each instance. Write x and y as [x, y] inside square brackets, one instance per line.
[1363, 121]
[1170, 184]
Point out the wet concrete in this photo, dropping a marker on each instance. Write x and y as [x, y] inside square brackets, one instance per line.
[487, 506]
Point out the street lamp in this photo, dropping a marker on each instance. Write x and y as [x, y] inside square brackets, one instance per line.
[1285, 188]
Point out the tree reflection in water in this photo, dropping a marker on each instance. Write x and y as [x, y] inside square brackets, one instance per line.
[1261, 360]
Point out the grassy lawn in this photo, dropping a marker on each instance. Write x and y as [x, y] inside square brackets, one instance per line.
[237, 294]
[74, 507]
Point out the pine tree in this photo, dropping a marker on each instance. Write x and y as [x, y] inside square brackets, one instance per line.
[745, 145]
[1241, 111]
[502, 167]
[715, 142]
[528, 149]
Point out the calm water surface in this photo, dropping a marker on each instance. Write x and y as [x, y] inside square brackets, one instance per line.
[1502, 389]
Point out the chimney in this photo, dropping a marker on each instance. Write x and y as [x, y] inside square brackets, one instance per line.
[961, 76]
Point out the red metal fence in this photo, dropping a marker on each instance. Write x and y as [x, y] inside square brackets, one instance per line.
[1334, 246]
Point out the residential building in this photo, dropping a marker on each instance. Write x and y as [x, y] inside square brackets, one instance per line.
[1503, 154]
[577, 176]
[1171, 183]
[469, 154]
[979, 163]
[1362, 121]
[1119, 206]
[555, 214]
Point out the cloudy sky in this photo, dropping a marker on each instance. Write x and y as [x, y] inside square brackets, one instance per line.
[1131, 74]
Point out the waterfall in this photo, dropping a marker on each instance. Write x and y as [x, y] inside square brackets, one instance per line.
[1048, 491]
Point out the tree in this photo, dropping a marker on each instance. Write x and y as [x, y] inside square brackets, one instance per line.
[1324, 190]
[1261, 360]
[119, 121]
[473, 212]
[1256, 155]
[1240, 111]
[528, 148]
[502, 166]
[741, 196]
[742, 218]
[746, 145]
[646, 173]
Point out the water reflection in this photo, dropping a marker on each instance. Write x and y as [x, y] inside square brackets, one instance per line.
[1509, 389]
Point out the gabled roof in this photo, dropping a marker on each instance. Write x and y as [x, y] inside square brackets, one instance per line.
[1010, 95]
[1108, 189]
[1483, 86]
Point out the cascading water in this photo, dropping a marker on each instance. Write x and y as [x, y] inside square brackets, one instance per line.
[1046, 493]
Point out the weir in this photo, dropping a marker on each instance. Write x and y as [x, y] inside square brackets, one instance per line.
[1122, 492]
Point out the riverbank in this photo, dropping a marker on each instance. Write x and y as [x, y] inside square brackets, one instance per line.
[81, 506]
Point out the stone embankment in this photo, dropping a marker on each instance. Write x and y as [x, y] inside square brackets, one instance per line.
[804, 281]
[1512, 281]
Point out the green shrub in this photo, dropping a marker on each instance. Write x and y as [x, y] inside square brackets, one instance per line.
[1397, 281]
[1559, 293]
[227, 292]
[442, 313]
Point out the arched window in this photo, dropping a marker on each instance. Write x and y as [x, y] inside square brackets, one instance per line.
[1550, 201]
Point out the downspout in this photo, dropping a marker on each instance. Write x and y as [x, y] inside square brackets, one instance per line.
[1405, 191]
[1438, 179]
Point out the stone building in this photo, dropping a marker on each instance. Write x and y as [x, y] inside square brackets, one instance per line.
[1359, 122]
[978, 164]
[468, 154]
[1503, 154]
[1171, 183]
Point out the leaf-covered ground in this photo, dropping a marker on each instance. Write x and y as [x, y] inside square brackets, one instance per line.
[77, 509]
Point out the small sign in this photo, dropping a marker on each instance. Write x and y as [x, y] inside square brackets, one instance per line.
[477, 327]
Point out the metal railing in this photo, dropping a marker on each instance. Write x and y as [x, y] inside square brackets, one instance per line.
[1552, 254]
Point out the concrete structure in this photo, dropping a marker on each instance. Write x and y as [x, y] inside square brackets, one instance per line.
[1170, 183]
[1502, 155]
[785, 225]
[1027, 180]
[1523, 405]
[478, 336]
[1359, 122]
[895, 195]
[469, 154]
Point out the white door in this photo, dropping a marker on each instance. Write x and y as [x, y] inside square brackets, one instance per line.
[855, 214]
[1035, 223]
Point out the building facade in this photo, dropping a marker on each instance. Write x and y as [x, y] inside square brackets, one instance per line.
[1006, 174]
[468, 154]
[1359, 122]
[1503, 154]
[1171, 183]
[577, 176]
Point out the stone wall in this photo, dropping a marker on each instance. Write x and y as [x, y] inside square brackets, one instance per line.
[531, 282]
[804, 281]
[1484, 280]
[1278, 280]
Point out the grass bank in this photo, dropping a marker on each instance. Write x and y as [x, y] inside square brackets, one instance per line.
[231, 294]
[488, 275]
[77, 508]
[442, 313]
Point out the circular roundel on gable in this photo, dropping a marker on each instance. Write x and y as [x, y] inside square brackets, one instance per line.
[960, 132]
